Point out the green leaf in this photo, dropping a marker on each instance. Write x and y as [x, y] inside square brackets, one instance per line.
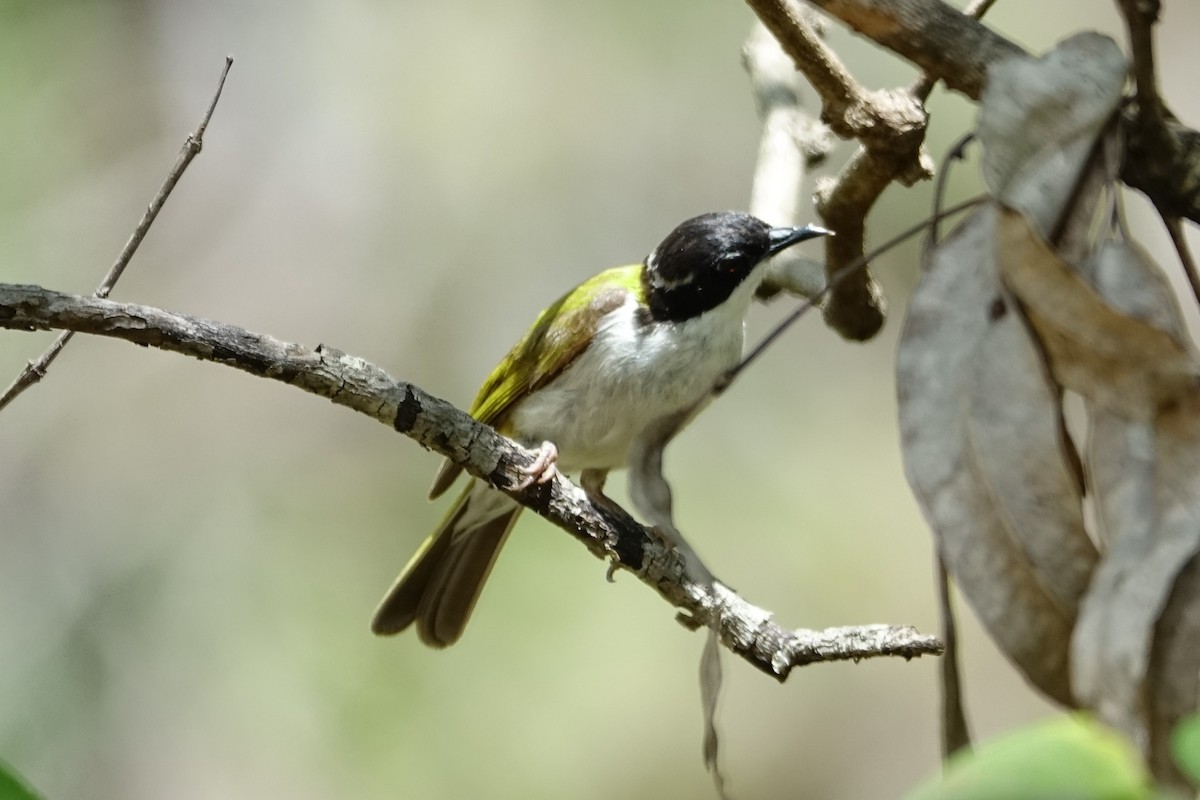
[12, 787]
[1071, 756]
[1185, 746]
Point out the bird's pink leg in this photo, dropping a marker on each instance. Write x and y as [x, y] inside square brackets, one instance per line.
[542, 470]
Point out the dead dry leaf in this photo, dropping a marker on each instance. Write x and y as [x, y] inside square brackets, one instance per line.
[1125, 352]
[1039, 119]
[1146, 477]
[1114, 360]
[1173, 680]
[983, 450]
[1137, 646]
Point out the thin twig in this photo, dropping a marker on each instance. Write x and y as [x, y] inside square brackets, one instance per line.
[955, 733]
[977, 8]
[957, 152]
[841, 275]
[1175, 229]
[34, 371]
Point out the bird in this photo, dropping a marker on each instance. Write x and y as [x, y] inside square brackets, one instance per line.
[624, 348]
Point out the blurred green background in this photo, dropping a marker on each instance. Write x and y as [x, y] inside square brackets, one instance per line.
[190, 556]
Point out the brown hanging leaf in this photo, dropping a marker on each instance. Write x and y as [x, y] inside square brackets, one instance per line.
[984, 442]
[1114, 360]
[997, 327]
[984, 451]
[1133, 662]
[1125, 275]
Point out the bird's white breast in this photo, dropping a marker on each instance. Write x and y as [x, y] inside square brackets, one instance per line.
[632, 374]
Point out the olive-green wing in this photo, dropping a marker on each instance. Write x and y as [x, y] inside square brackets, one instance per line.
[557, 337]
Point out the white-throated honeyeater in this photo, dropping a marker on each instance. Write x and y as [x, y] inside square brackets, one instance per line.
[619, 351]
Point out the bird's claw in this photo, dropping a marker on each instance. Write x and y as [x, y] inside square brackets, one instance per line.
[542, 469]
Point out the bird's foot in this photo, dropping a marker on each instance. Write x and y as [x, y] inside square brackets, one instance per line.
[592, 481]
[542, 469]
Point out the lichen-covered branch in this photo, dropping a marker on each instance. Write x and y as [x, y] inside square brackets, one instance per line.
[437, 425]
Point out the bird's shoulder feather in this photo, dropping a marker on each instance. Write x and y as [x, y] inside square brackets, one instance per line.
[558, 336]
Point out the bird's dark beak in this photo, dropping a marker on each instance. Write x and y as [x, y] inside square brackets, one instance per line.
[783, 238]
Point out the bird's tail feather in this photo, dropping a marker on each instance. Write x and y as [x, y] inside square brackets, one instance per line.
[439, 586]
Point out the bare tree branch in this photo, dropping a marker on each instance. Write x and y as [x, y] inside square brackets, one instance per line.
[1175, 231]
[1140, 19]
[792, 141]
[889, 125]
[845, 104]
[944, 42]
[924, 84]
[34, 371]
[437, 425]
[890, 128]
[1152, 127]
[952, 47]
[1166, 168]
[956, 734]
